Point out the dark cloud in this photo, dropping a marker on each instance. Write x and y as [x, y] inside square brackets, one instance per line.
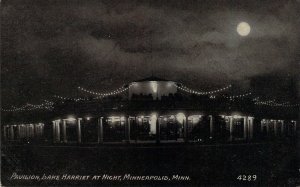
[53, 47]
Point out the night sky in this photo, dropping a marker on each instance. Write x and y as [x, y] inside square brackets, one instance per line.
[52, 47]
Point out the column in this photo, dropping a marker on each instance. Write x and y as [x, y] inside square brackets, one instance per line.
[185, 126]
[32, 128]
[54, 131]
[211, 126]
[29, 130]
[245, 127]
[38, 131]
[268, 126]
[158, 129]
[42, 129]
[230, 127]
[79, 130]
[57, 128]
[275, 127]
[282, 128]
[127, 128]
[64, 129]
[19, 131]
[23, 131]
[4, 133]
[250, 124]
[100, 130]
[261, 126]
[12, 135]
[35, 130]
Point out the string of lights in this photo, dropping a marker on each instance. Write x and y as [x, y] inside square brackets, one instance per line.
[238, 96]
[48, 105]
[49, 102]
[189, 90]
[99, 97]
[71, 99]
[272, 103]
[117, 91]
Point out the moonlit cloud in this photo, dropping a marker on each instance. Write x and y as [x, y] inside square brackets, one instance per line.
[102, 45]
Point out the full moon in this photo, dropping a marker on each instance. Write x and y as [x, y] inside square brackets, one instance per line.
[243, 28]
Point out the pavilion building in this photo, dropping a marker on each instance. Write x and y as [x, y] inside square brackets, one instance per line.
[151, 110]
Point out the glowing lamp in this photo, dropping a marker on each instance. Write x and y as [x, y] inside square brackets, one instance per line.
[180, 117]
[114, 119]
[236, 116]
[153, 116]
[153, 85]
[71, 119]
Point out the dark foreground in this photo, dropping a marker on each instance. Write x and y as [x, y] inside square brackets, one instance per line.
[219, 165]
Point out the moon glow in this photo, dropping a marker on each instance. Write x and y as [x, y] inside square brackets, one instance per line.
[243, 29]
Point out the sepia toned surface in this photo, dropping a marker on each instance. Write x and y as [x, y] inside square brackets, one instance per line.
[150, 92]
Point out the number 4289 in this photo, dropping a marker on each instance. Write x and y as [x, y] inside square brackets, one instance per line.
[247, 177]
